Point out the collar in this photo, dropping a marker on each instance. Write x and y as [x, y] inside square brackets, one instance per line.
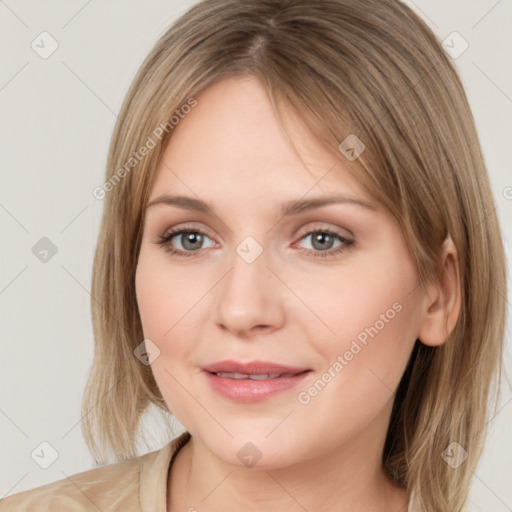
[154, 475]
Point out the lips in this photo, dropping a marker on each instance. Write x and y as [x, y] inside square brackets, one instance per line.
[254, 381]
[253, 369]
[259, 376]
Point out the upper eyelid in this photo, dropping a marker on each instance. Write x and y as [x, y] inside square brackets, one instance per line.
[179, 230]
[318, 225]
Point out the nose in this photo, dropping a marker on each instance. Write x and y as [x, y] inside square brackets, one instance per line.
[249, 299]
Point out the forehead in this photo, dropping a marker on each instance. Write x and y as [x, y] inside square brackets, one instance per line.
[232, 144]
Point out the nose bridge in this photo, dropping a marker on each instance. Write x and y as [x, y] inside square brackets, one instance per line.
[248, 296]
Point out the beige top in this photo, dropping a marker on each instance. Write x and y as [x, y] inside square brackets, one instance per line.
[134, 485]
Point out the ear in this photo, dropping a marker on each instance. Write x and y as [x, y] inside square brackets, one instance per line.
[442, 302]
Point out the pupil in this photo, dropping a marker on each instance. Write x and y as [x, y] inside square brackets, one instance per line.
[322, 238]
[189, 238]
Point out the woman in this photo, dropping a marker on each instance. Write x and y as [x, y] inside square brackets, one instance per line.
[298, 231]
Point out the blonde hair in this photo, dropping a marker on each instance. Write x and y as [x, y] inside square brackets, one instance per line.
[370, 68]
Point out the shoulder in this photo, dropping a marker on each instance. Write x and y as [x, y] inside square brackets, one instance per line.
[111, 487]
[95, 489]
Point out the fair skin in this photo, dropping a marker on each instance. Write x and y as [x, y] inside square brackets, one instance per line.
[287, 306]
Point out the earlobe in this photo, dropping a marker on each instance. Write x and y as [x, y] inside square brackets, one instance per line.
[442, 302]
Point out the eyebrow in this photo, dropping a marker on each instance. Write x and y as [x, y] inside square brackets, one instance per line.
[293, 207]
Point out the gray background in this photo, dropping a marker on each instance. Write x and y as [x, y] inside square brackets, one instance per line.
[57, 116]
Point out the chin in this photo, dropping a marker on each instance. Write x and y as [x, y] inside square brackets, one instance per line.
[253, 447]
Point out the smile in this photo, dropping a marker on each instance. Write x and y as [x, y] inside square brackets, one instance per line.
[261, 376]
[254, 381]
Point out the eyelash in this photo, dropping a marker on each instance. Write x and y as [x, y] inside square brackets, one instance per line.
[164, 241]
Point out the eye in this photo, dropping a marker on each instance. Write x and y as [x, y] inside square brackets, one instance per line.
[191, 241]
[322, 241]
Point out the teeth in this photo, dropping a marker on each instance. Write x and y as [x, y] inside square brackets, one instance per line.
[241, 376]
[264, 376]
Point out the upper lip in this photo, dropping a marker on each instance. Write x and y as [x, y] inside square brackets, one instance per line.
[252, 367]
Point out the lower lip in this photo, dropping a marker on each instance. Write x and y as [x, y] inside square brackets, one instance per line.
[248, 390]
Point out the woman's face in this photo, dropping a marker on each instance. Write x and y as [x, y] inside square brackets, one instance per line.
[253, 283]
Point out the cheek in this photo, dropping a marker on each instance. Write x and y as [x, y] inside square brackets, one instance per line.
[374, 319]
[370, 316]
[152, 297]
[166, 299]
[174, 306]
[164, 295]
